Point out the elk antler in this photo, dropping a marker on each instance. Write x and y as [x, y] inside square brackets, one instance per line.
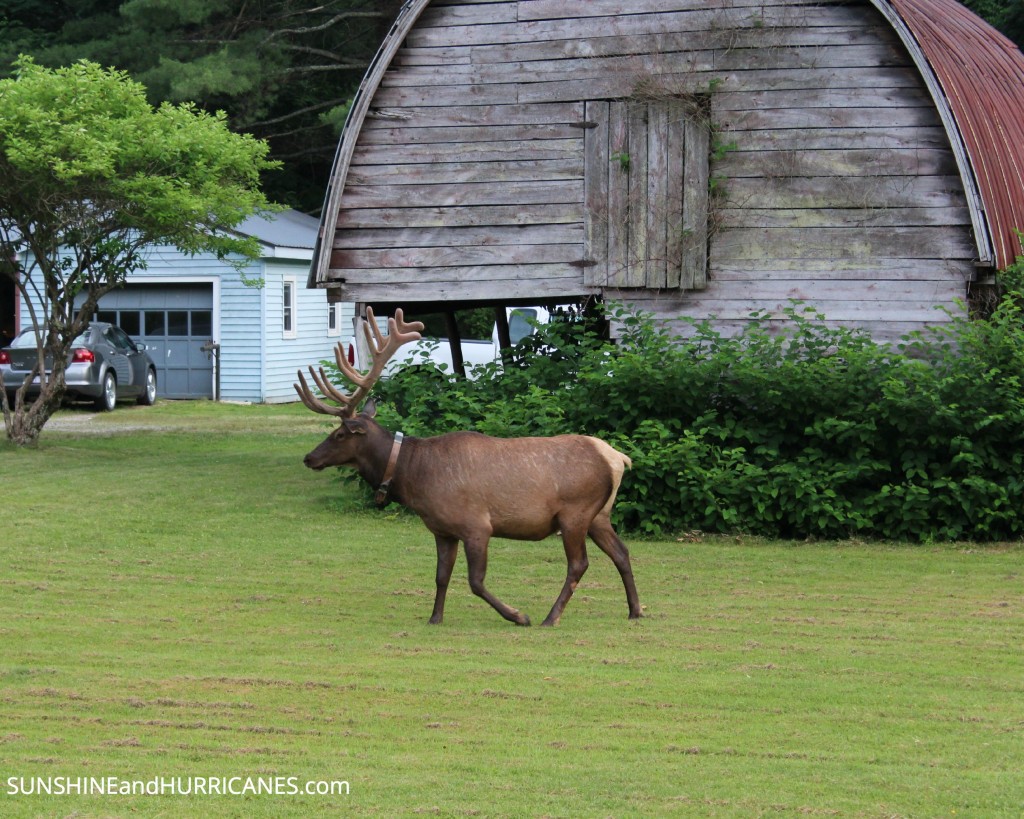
[382, 349]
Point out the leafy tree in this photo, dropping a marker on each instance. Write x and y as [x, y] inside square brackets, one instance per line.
[284, 70]
[1005, 15]
[90, 173]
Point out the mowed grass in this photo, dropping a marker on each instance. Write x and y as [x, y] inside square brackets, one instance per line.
[180, 598]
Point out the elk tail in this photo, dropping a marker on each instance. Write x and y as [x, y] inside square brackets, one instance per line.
[618, 463]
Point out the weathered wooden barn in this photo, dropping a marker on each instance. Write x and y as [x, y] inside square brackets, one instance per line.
[700, 158]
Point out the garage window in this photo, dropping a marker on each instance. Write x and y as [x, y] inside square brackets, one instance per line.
[202, 323]
[177, 322]
[156, 323]
[130, 322]
[160, 322]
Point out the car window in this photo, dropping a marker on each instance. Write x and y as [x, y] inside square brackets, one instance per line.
[26, 340]
[519, 324]
[119, 338]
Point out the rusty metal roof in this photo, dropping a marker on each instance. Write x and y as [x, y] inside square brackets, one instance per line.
[981, 75]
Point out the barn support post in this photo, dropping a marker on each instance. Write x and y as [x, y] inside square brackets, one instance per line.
[504, 337]
[451, 326]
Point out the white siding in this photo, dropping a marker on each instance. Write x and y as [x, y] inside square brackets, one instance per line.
[242, 337]
[312, 343]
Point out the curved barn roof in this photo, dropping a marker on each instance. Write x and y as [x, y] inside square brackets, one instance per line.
[974, 74]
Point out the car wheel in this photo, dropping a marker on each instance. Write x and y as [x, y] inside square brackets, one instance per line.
[108, 398]
[148, 397]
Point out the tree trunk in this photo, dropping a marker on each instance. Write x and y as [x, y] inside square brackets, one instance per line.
[24, 422]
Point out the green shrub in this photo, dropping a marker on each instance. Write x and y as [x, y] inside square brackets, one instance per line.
[804, 431]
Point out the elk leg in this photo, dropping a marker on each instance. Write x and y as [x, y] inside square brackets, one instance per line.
[447, 551]
[575, 543]
[604, 536]
[476, 557]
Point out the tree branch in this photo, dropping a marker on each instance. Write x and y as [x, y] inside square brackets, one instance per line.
[321, 52]
[320, 106]
[347, 15]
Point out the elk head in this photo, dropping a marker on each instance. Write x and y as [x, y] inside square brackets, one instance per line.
[358, 432]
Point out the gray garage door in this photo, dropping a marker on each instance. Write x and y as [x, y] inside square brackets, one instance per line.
[174, 321]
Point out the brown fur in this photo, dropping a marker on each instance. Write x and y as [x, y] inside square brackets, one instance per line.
[470, 487]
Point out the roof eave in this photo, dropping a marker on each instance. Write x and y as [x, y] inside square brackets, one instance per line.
[975, 203]
[400, 28]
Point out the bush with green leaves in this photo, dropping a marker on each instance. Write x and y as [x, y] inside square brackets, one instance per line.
[803, 430]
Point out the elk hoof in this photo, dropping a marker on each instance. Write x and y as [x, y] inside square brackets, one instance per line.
[522, 620]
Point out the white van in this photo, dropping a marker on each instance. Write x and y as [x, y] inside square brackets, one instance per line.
[437, 351]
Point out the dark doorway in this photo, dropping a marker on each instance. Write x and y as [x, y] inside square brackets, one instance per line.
[8, 311]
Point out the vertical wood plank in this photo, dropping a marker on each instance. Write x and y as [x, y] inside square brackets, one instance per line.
[636, 262]
[657, 175]
[695, 203]
[675, 147]
[595, 193]
[618, 193]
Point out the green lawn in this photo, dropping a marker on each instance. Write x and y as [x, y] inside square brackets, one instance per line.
[183, 600]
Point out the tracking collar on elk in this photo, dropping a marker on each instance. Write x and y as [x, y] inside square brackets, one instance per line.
[381, 497]
[382, 349]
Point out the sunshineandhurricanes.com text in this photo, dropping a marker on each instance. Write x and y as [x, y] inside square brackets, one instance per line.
[172, 786]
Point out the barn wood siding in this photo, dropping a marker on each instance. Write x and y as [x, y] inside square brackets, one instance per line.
[468, 179]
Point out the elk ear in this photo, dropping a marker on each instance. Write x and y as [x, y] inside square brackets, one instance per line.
[369, 409]
[354, 426]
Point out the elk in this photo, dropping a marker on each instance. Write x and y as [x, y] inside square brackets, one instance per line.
[470, 487]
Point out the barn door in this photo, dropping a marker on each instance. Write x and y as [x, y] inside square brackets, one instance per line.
[646, 189]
